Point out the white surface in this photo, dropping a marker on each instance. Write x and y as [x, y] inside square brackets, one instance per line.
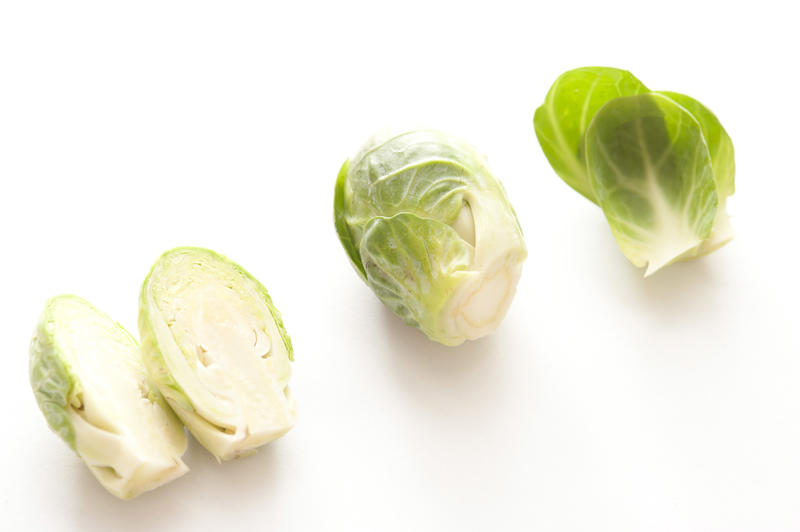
[603, 402]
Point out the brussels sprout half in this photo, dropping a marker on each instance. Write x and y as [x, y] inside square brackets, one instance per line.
[216, 346]
[431, 231]
[87, 374]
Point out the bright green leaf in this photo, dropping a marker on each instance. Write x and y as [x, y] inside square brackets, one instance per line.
[652, 175]
[719, 143]
[568, 109]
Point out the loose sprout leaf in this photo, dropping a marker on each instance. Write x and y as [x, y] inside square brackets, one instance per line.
[463, 229]
[720, 148]
[719, 143]
[91, 384]
[568, 109]
[652, 175]
[218, 350]
[637, 217]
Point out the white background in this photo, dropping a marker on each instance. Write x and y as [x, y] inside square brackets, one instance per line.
[604, 401]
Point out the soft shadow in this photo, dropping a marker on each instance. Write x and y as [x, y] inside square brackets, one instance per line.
[171, 506]
[412, 344]
[682, 291]
[95, 509]
[439, 378]
[679, 292]
[258, 473]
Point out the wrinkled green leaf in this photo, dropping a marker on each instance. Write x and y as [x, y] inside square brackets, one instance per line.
[52, 380]
[412, 265]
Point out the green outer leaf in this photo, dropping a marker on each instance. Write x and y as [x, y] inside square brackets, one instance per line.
[53, 382]
[422, 172]
[651, 171]
[426, 173]
[568, 109]
[342, 229]
[411, 264]
[719, 143]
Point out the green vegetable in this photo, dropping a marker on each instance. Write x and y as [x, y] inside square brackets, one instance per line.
[88, 378]
[431, 232]
[659, 164]
[569, 106]
[216, 346]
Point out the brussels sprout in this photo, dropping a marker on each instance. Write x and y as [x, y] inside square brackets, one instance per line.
[87, 374]
[659, 164]
[216, 346]
[431, 232]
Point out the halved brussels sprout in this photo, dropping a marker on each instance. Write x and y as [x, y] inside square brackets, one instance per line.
[87, 374]
[216, 346]
[659, 164]
[431, 231]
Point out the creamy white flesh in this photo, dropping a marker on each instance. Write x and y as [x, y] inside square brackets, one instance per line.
[482, 300]
[721, 234]
[130, 443]
[223, 348]
[486, 290]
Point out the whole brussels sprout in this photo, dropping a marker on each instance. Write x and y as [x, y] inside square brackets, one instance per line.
[431, 231]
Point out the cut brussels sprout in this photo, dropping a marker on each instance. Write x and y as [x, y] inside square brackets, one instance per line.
[431, 232]
[216, 346]
[659, 164]
[87, 375]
